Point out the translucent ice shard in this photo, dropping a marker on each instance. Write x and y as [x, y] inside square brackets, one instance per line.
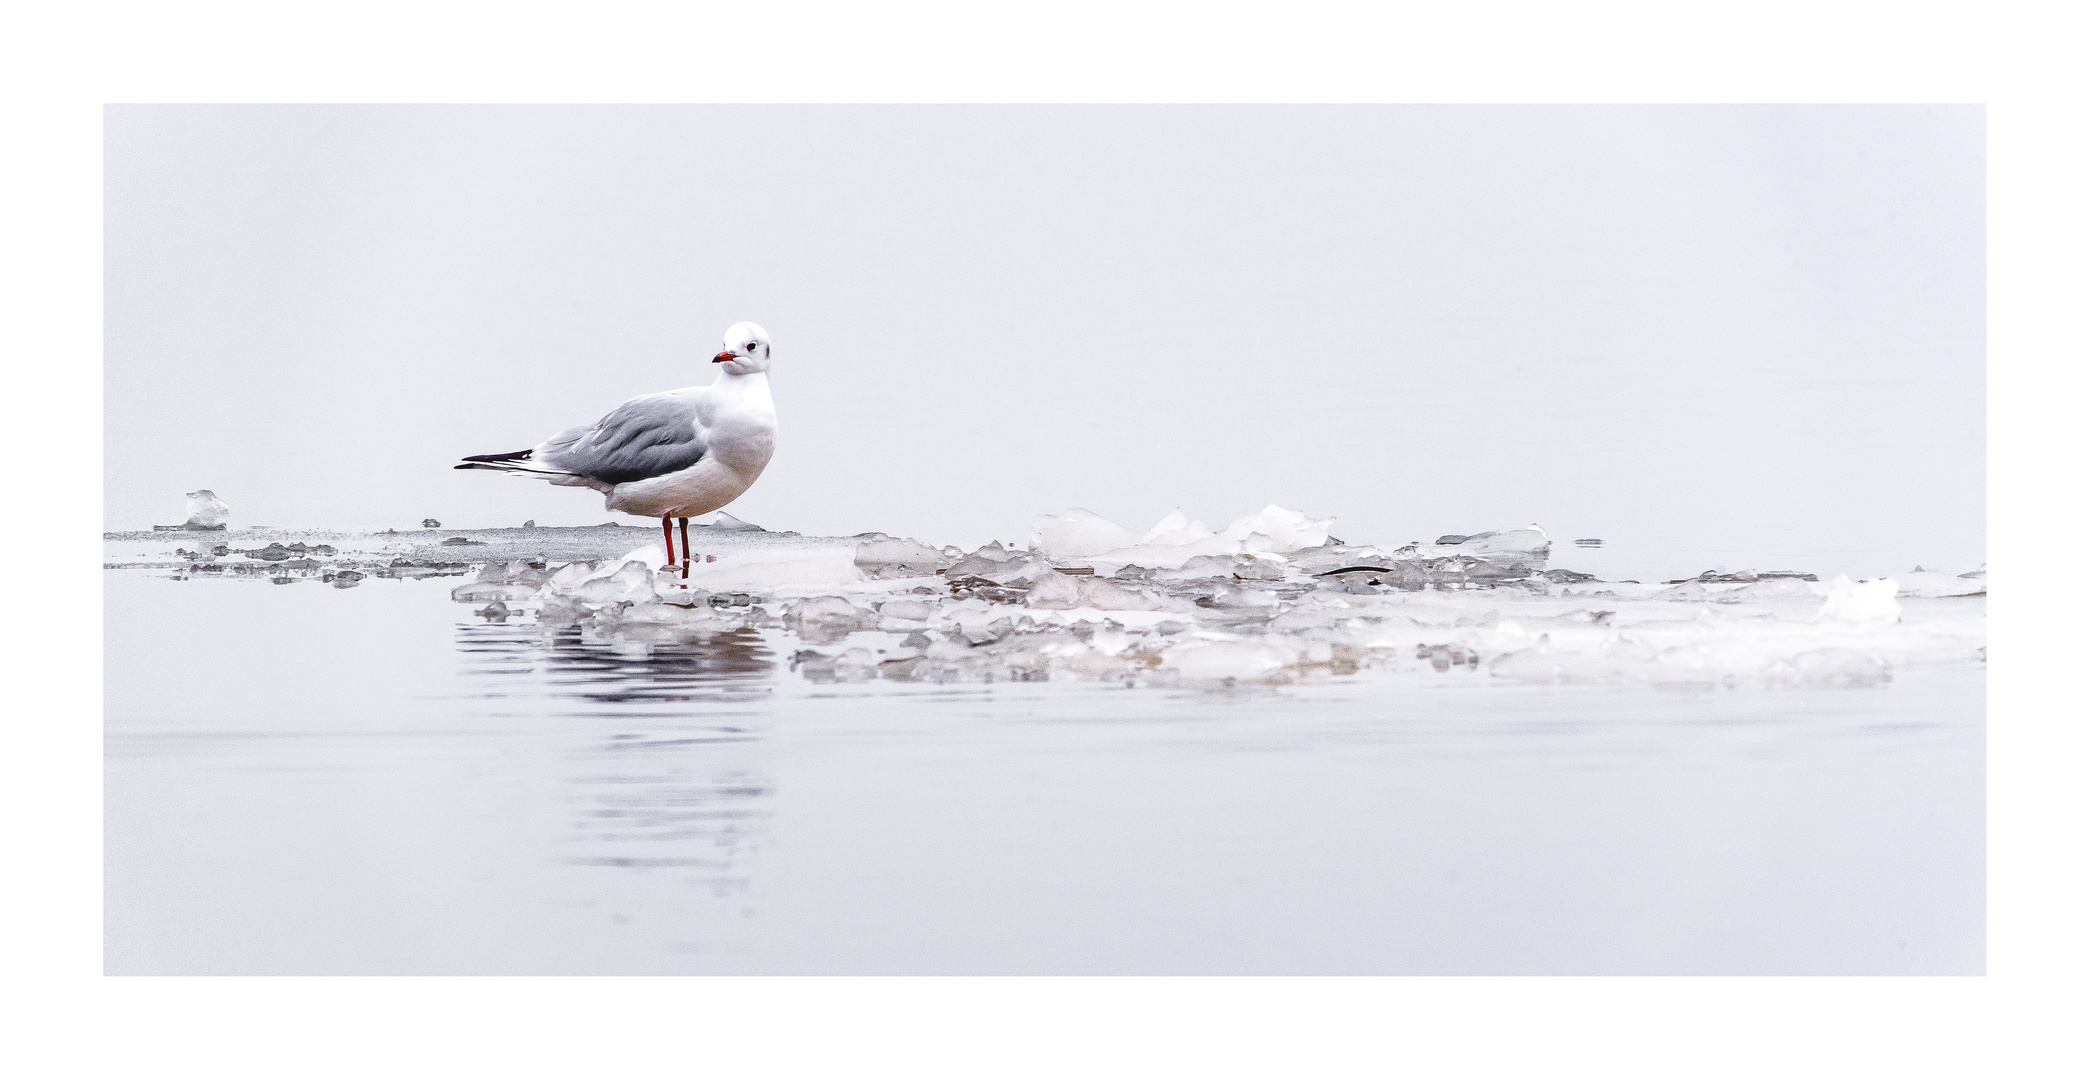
[1078, 534]
[206, 510]
[1019, 569]
[979, 563]
[1278, 530]
[628, 580]
[1061, 592]
[1054, 591]
[823, 619]
[1176, 529]
[1528, 545]
[889, 557]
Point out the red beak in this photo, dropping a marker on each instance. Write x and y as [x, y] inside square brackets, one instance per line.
[723, 357]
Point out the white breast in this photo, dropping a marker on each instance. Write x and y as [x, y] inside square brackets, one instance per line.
[738, 420]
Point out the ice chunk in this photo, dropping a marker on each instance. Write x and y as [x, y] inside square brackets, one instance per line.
[1107, 596]
[1078, 534]
[829, 609]
[979, 622]
[1228, 596]
[1528, 545]
[1861, 602]
[1247, 567]
[1054, 590]
[565, 577]
[1062, 592]
[1482, 558]
[1262, 567]
[1020, 569]
[993, 551]
[627, 579]
[206, 510]
[525, 572]
[890, 558]
[1200, 566]
[979, 563]
[972, 566]
[1278, 530]
[1519, 550]
[916, 610]
[1177, 529]
[632, 583]
[823, 619]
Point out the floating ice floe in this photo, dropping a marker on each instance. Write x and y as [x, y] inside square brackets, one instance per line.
[1270, 599]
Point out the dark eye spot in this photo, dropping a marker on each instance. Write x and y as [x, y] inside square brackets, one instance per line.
[751, 346]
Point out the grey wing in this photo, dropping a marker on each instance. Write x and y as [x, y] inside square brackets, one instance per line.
[644, 437]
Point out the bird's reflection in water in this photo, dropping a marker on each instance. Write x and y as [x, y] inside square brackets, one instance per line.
[679, 678]
[669, 792]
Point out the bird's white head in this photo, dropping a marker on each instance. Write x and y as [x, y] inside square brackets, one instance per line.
[747, 349]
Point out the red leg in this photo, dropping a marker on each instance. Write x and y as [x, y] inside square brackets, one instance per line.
[667, 537]
[685, 546]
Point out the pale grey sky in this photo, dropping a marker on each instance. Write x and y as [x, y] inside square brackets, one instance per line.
[1712, 335]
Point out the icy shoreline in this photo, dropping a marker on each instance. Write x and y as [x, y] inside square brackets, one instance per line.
[1272, 598]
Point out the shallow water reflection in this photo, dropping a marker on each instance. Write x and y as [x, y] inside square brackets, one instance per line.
[725, 667]
[372, 780]
[683, 792]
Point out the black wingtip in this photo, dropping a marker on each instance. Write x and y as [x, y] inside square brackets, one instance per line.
[516, 455]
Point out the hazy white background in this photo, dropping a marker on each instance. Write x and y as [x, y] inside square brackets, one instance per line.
[1711, 335]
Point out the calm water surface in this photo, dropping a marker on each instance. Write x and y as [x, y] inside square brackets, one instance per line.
[309, 780]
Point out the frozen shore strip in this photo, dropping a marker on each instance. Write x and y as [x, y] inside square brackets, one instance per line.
[294, 554]
[1270, 599]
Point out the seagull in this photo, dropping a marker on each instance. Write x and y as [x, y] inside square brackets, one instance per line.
[671, 455]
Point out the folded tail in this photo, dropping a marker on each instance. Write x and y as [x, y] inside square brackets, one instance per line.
[518, 461]
[516, 455]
